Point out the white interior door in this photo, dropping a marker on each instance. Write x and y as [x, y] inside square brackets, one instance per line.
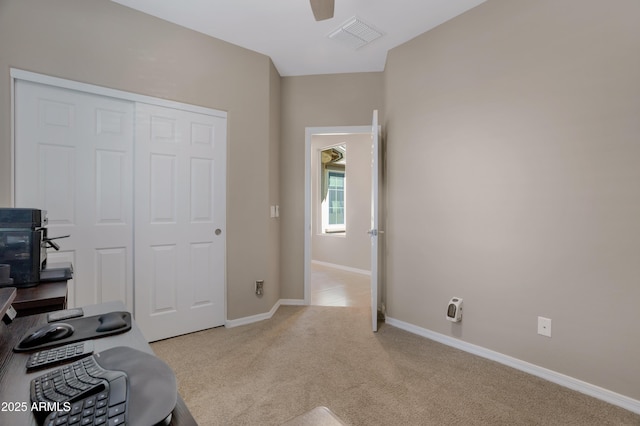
[180, 173]
[73, 158]
[374, 232]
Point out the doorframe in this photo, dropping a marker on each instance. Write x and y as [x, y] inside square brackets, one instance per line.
[309, 132]
[18, 74]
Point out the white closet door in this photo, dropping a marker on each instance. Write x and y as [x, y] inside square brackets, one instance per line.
[73, 158]
[180, 173]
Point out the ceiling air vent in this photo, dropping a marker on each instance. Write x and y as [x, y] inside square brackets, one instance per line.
[355, 33]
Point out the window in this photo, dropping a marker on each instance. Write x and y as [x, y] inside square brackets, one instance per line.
[335, 206]
[333, 185]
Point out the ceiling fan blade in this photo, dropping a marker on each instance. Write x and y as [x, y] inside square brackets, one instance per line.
[322, 9]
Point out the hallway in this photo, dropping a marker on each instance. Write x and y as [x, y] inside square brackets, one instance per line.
[336, 287]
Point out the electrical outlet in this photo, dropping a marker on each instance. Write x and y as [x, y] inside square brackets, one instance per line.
[544, 326]
[259, 287]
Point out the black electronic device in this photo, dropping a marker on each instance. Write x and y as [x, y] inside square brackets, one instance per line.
[13, 217]
[23, 245]
[5, 275]
[46, 334]
[120, 385]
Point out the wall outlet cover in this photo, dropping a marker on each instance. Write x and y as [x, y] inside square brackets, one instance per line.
[544, 326]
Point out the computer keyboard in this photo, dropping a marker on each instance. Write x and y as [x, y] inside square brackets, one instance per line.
[89, 387]
[93, 410]
[50, 357]
[118, 386]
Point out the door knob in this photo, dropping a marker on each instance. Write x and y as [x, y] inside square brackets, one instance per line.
[218, 231]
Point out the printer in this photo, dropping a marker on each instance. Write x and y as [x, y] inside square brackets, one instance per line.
[23, 249]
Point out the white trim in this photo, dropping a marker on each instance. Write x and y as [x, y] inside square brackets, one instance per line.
[261, 317]
[292, 302]
[309, 132]
[544, 373]
[17, 74]
[342, 267]
[253, 318]
[307, 216]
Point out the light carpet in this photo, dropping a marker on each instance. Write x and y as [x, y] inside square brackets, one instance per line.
[306, 356]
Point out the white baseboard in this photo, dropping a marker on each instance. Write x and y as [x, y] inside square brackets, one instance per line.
[342, 267]
[544, 373]
[261, 317]
[253, 318]
[294, 302]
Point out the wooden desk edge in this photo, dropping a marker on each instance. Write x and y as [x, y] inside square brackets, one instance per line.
[45, 297]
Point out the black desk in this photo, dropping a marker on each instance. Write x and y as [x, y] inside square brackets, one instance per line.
[14, 381]
[45, 297]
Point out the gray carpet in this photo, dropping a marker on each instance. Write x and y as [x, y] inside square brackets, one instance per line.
[268, 372]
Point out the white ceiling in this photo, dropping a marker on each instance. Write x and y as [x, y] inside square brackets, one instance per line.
[286, 31]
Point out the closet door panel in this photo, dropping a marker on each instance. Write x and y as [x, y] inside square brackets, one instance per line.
[73, 158]
[180, 221]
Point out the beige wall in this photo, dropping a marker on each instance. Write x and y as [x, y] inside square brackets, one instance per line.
[353, 248]
[513, 183]
[103, 43]
[512, 162]
[313, 101]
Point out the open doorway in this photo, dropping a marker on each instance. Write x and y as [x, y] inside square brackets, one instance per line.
[337, 216]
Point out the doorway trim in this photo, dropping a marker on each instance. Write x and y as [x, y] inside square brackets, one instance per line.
[309, 132]
[18, 74]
